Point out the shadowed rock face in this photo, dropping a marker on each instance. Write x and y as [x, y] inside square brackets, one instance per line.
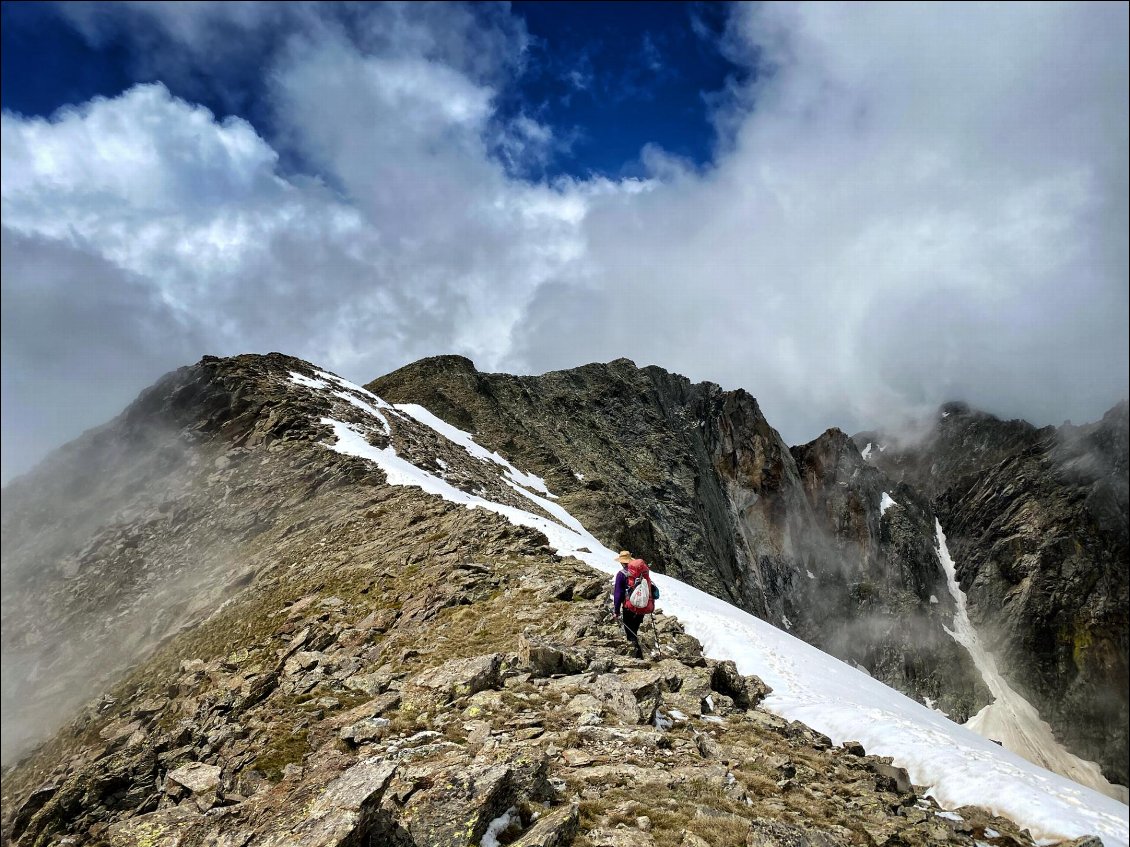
[1037, 521]
[884, 564]
[626, 450]
[695, 480]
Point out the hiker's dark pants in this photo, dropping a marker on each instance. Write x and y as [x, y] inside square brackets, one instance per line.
[632, 622]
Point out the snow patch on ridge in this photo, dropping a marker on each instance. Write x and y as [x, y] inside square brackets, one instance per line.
[1010, 719]
[370, 404]
[401, 472]
[866, 454]
[365, 407]
[885, 503]
[464, 440]
[302, 379]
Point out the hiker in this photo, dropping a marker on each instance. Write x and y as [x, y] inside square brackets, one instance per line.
[632, 572]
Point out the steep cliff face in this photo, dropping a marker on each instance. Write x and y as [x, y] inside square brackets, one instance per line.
[295, 648]
[1037, 521]
[874, 589]
[695, 480]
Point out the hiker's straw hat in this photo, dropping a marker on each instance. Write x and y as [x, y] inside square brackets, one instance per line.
[624, 557]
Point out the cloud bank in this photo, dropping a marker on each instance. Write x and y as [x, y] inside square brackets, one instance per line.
[907, 204]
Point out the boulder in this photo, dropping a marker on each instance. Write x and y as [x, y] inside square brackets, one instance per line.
[708, 748]
[620, 838]
[31, 805]
[201, 780]
[166, 828]
[627, 775]
[618, 698]
[346, 811]
[303, 660]
[379, 620]
[252, 690]
[590, 589]
[457, 678]
[363, 731]
[647, 687]
[768, 833]
[891, 778]
[459, 803]
[369, 683]
[583, 704]
[554, 828]
[545, 659]
[746, 691]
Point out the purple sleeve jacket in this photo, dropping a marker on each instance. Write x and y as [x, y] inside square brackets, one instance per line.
[619, 590]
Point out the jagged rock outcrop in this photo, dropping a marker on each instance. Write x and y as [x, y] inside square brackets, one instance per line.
[1038, 522]
[695, 480]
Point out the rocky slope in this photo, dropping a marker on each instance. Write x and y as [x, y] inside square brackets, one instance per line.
[695, 480]
[305, 654]
[1039, 523]
[368, 711]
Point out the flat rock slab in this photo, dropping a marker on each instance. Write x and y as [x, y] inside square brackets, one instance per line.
[197, 777]
[554, 828]
[166, 828]
[347, 804]
[620, 838]
[460, 677]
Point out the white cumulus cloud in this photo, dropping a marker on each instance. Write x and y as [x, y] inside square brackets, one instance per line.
[907, 204]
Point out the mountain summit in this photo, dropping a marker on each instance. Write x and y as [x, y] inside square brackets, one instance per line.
[268, 606]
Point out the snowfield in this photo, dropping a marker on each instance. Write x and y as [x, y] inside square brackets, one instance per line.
[958, 766]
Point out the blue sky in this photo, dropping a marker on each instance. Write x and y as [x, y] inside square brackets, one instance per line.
[619, 76]
[854, 211]
[610, 78]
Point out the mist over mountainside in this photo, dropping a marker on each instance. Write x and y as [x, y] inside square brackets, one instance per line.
[271, 614]
[1039, 522]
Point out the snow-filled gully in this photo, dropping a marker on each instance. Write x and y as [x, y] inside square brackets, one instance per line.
[1010, 719]
[959, 766]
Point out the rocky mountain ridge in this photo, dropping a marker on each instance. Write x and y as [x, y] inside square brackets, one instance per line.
[799, 536]
[338, 624]
[381, 666]
[365, 717]
[695, 480]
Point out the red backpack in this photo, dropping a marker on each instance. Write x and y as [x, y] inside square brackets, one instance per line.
[640, 597]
